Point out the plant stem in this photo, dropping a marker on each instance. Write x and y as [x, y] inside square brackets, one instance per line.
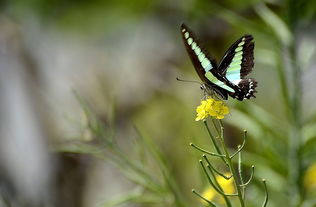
[209, 202]
[294, 147]
[232, 170]
[214, 141]
[295, 164]
[216, 182]
[220, 187]
[240, 173]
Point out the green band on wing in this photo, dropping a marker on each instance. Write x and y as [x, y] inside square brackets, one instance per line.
[234, 63]
[238, 49]
[233, 70]
[190, 40]
[233, 77]
[197, 50]
[217, 82]
[237, 58]
[193, 46]
[241, 43]
[236, 67]
[206, 64]
[201, 57]
[186, 35]
[204, 61]
[238, 54]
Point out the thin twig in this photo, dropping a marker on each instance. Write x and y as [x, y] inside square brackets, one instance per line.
[240, 173]
[250, 178]
[209, 202]
[205, 151]
[217, 130]
[267, 195]
[214, 141]
[242, 145]
[216, 182]
[232, 170]
[215, 170]
[212, 184]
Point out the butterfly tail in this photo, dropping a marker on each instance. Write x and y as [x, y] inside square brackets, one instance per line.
[248, 88]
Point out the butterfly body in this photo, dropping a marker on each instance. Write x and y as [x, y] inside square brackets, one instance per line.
[229, 77]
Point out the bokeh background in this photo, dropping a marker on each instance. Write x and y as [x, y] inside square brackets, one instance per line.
[91, 113]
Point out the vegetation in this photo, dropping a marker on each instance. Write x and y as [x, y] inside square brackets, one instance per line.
[134, 115]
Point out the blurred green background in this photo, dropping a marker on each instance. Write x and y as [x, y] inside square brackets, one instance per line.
[92, 114]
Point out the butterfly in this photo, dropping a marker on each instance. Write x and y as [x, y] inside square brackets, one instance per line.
[229, 76]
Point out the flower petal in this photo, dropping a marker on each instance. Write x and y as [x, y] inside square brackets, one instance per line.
[211, 107]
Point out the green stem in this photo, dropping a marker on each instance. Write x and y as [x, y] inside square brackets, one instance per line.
[295, 142]
[294, 163]
[250, 178]
[232, 170]
[267, 195]
[240, 173]
[216, 171]
[296, 193]
[211, 181]
[240, 147]
[228, 203]
[209, 202]
[205, 151]
[215, 127]
[218, 150]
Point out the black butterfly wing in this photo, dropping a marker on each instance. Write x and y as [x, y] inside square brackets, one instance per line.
[236, 64]
[197, 54]
[204, 65]
[238, 60]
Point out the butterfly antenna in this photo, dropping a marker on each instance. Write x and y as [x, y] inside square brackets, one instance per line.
[189, 81]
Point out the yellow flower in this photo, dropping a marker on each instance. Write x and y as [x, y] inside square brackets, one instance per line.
[310, 177]
[227, 186]
[211, 107]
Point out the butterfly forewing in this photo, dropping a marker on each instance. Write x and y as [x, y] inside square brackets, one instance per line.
[205, 66]
[201, 61]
